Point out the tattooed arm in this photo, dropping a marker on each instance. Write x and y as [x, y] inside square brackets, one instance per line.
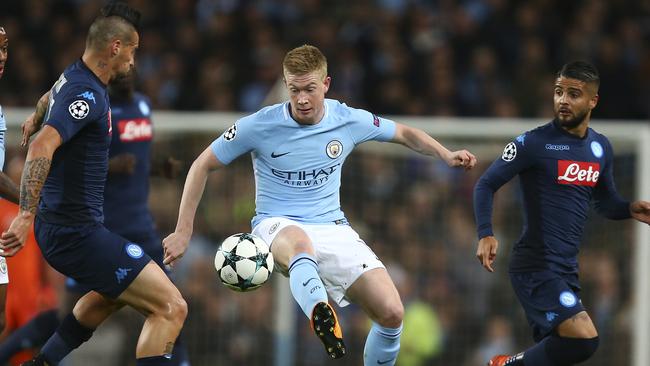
[33, 123]
[37, 167]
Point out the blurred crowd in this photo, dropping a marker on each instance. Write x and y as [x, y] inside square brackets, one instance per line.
[417, 57]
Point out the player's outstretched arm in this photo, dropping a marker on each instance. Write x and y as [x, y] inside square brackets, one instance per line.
[8, 189]
[37, 167]
[640, 210]
[176, 243]
[419, 141]
[34, 121]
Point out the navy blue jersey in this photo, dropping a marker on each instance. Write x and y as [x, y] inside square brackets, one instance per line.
[73, 193]
[125, 198]
[559, 174]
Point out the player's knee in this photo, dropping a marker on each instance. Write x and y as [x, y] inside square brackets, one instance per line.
[181, 309]
[392, 315]
[175, 309]
[295, 240]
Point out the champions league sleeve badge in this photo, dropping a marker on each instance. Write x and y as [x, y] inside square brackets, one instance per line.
[230, 134]
[509, 152]
[79, 109]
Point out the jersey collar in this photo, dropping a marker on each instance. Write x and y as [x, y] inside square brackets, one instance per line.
[83, 65]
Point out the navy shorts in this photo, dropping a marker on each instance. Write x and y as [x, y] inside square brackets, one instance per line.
[150, 243]
[94, 257]
[547, 298]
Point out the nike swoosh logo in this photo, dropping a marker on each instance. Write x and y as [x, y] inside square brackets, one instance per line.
[385, 362]
[274, 155]
[305, 283]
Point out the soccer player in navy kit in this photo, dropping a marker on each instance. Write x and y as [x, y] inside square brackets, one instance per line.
[298, 150]
[126, 211]
[66, 168]
[562, 166]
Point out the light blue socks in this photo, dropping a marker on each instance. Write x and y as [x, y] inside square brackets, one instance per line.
[306, 286]
[382, 345]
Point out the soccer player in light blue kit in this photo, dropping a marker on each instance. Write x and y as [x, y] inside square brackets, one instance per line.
[298, 149]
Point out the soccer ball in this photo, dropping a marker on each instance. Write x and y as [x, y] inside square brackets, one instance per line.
[243, 262]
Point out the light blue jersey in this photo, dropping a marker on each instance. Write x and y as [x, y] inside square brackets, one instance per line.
[298, 167]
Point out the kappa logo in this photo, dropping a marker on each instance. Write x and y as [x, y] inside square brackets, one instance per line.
[334, 149]
[3, 265]
[578, 173]
[79, 109]
[121, 274]
[88, 95]
[521, 139]
[550, 316]
[557, 147]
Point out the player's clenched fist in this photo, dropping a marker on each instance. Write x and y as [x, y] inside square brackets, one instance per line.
[462, 158]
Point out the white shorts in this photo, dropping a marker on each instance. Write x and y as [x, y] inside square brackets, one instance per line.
[4, 272]
[341, 255]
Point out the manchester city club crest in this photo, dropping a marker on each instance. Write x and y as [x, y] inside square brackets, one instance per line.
[334, 149]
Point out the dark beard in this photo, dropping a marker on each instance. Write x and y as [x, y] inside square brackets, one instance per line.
[573, 122]
[121, 87]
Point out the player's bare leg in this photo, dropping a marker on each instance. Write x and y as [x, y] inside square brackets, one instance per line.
[576, 341]
[93, 308]
[153, 294]
[294, 254]
[375, 292]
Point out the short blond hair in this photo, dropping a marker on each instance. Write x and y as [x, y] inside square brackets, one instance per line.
[303, 60]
